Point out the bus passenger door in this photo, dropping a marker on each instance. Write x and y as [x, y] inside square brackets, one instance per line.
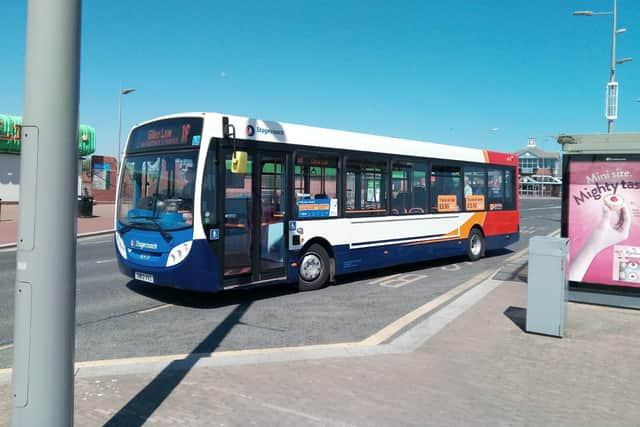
[238, 222]
[271, 223]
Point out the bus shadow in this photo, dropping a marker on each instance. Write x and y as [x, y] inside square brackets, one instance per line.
[140, 408]
[201, 300]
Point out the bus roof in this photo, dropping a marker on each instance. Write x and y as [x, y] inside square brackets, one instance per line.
[287, 133]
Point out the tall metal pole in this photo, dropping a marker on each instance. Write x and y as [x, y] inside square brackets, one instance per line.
[46, 254]
[612, 77]
[119, 124]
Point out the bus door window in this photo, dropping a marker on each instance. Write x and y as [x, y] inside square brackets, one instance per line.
[315, 186]
[475, 188]
[409, 191]
[446, 188]
[272, 218]
[496, 189]
[237, 219]
[208, 198]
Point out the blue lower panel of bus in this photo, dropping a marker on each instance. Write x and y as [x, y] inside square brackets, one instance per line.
[354, 260]
[198, 272]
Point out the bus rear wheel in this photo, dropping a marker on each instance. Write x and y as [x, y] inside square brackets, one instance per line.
[314, 268]
[475, 245]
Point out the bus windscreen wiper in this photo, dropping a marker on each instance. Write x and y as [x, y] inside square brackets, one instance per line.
[166, 236]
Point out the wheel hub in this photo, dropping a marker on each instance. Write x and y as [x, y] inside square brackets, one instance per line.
[310, 267]
[476, 246]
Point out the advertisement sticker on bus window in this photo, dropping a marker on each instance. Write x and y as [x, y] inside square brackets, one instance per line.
[474, 203]
[319, 208]
[333, 209]
[603, 224]
[447, 203]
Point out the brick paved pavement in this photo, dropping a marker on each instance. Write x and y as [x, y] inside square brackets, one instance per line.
[481, 369]
[102, 221]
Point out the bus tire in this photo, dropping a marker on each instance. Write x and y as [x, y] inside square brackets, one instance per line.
[314, 268]
[475, 245]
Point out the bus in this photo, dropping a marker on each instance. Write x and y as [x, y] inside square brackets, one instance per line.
[207, 202]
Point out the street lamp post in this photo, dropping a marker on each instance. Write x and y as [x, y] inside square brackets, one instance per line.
[122, 93]
[612, 88]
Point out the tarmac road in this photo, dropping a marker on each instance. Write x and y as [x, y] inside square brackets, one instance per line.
[119, 318]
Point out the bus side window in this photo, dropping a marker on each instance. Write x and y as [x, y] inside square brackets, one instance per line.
[315, 182]
[446, 188]
[408, 184]
[496, 189]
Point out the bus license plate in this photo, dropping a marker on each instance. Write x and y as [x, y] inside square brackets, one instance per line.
[144, 277]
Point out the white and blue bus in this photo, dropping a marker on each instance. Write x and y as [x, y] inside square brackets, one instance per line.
[208, 202]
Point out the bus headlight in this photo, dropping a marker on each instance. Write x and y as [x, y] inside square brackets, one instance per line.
[179, 253]
[120, 244]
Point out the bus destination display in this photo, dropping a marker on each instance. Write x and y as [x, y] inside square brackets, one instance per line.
[166, 133]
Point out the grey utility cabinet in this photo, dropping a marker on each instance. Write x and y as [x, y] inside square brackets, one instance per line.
[547, 288]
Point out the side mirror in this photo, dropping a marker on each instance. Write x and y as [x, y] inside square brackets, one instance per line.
[239, 162]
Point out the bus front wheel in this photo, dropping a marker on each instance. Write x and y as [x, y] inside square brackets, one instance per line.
[314, 268]
[475, 245]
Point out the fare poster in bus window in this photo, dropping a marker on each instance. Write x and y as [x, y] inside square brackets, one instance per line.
[447, 203]
[604, 222]
[474, 203]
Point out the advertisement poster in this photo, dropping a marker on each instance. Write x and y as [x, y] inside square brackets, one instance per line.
[604, 222]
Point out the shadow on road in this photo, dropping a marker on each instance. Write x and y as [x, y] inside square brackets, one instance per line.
[201, 300]
[138, 410]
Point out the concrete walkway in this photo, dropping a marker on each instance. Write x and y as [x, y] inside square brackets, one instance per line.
[468, 364]
[101, 222]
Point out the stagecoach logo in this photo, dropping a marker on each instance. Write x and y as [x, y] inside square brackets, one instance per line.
[143, 245]
[252, 130]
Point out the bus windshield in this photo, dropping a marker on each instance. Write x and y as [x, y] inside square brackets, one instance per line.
[157, 191]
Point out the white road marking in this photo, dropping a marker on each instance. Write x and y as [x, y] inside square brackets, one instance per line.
[102, 261]
[6, 347]
[152, 309]
[400, 280]
[383, 279]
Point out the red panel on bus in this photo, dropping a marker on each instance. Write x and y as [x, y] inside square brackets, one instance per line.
[497, 158]
[501, 222]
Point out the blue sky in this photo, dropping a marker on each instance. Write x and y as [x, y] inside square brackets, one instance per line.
[445, 72]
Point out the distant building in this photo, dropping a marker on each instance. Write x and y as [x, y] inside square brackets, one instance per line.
[535, 161]
[10, 146]
[540, 171]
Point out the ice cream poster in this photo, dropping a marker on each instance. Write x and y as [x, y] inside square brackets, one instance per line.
[604, 222]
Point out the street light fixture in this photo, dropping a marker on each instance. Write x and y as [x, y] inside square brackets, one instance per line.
[611, 108]
[123, 92]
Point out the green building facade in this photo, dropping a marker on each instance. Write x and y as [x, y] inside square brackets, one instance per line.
[10, 139]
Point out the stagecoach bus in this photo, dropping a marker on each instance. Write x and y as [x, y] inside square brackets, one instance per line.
[208, 202]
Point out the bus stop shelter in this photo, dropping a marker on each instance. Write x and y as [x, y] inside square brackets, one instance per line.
[601, 217]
